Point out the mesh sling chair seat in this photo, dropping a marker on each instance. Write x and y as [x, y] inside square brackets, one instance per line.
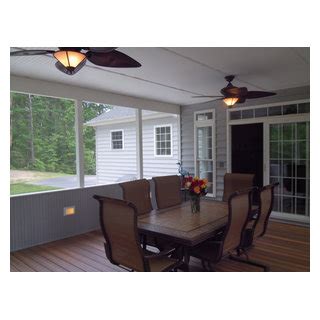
[236, 182]
[167, 194]
[118, 220]
[138, 193]
[168, 191]
[258, 226]
[229, 240]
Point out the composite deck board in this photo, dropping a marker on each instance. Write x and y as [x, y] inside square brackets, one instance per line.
[49, 254]
[285, 247]
[35, 254]
[27, 259]
[20, 265]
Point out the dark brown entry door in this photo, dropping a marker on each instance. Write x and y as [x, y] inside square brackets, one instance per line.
[247, 150]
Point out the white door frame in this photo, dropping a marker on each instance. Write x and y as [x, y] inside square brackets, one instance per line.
[266, 121]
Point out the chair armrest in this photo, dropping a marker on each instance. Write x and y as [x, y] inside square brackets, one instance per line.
[160, 254]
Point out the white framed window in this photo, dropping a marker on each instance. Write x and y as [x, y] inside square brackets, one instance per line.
[163, 140]
[205, 148]
[117, 142]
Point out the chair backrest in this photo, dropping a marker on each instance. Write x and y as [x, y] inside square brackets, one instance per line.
[118, 220]
[236, 182]
[168, 191]
[138, 193]
[265, 209]
[239, 209]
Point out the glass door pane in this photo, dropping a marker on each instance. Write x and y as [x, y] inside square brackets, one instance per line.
[205, 171]
[204, 163]
[289, 165]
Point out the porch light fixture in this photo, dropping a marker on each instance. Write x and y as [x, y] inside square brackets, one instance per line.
[69, 61]
[69, 211]
[230, 101]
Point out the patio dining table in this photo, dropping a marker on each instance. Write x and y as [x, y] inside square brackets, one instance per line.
[179, 225]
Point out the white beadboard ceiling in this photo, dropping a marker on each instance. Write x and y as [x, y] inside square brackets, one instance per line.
[174, 75]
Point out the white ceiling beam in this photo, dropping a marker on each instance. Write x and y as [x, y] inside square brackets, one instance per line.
[58, 90]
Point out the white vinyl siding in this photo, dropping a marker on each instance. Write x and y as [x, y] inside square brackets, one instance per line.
[113, 166]
[159, 165]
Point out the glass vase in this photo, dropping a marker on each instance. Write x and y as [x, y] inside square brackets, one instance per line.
[195, 204]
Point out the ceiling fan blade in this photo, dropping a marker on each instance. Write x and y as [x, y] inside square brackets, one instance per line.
[207, 97]
[112, 59]
[219, 99]
[101, 49]
[241, 100]
[234, 91]
[30, 52]
[258, 94]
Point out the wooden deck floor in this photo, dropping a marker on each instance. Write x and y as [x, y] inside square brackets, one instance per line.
[284, 248]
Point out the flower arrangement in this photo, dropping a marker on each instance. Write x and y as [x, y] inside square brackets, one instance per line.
[197, 188]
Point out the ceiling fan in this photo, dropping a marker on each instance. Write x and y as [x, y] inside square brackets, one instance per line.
[71, 60]
[232, 95]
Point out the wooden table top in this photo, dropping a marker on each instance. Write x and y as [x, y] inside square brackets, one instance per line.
[182, 226]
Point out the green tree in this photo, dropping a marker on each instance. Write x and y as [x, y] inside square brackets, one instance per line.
[43, 133]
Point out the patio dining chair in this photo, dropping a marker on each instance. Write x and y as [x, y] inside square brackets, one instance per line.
[118, 220]
[138, 193]
[226, 243]
[167, 191]
[239, 182]
[236, 182]
[257, 227]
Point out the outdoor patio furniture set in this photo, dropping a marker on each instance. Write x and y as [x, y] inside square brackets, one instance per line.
[134, 231]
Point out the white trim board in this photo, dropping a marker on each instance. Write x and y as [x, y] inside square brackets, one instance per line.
[59, 90]
[130, 119]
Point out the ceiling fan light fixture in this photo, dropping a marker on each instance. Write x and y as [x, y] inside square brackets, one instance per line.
[70, 59]
[69, 70]
[230, 102]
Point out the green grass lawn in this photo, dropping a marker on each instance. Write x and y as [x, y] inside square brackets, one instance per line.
[18, 188]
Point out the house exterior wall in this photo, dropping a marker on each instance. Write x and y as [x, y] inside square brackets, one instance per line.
[115, 165]
[187, 129]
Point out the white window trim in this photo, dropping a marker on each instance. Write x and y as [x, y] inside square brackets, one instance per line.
[206, 123]
[111, 144]
[155, 141]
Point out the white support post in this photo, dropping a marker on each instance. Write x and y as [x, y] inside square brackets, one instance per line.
[79, 143]
[139, 144]
[179, 137]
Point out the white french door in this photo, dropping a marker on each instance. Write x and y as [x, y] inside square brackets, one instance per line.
[286, 155]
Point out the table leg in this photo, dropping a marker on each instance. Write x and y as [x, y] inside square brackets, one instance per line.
[186, 259]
